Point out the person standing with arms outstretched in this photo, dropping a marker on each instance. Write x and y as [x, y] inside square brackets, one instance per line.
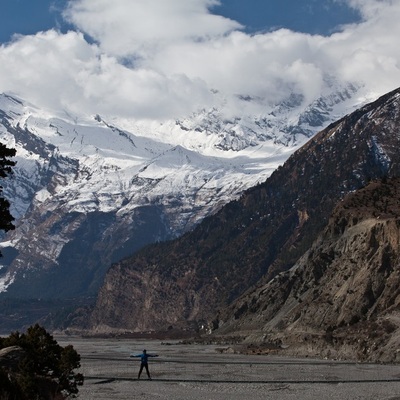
[144, 362]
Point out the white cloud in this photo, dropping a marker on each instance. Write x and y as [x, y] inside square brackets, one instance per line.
[62, 72]
[46, 67]
[137, 27]
[165, 58]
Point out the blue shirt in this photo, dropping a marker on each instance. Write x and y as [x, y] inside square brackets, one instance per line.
[144, 357]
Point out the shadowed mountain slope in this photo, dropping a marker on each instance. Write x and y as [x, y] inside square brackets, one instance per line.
[253, 239]
[342, 298]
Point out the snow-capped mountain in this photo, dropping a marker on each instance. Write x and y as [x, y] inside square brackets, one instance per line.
[218, 272]
[87, 192]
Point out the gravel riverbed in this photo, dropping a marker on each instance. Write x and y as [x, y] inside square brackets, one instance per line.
[202, 372]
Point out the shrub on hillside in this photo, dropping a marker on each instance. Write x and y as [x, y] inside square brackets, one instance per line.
[43, 371]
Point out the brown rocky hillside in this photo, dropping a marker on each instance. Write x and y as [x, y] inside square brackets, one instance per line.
[183, 282]
[342, 298]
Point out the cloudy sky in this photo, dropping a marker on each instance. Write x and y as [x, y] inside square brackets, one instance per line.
[160, 59]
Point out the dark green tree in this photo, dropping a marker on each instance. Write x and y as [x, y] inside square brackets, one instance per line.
[6, 219]
[46, 371]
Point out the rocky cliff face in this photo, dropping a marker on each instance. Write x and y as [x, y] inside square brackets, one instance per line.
[342, 298]
[253, 239]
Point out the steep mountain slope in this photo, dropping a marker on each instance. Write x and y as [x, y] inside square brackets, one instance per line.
[342, 297]
[257, 236]
[88, 192]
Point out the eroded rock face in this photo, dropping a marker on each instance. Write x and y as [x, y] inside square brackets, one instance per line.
[342, 297]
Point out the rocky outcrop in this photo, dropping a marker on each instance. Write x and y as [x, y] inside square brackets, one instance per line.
[11, 356]
[342, 298]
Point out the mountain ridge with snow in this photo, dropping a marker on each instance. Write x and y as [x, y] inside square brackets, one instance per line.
[210, 275]
[123, 184]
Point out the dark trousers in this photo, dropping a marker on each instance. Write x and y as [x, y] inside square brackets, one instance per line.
[144, 365]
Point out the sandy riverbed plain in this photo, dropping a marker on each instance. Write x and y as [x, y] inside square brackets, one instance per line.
[202, 372]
